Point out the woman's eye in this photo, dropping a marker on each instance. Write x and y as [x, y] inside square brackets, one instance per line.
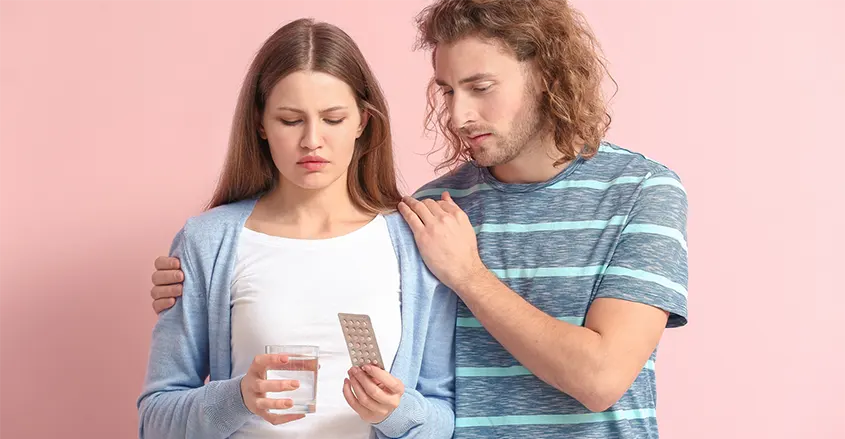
[447, 92]
[291, 123]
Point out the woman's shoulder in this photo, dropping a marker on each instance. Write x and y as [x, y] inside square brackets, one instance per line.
[217, 219]
[397, 225]
[402, 237]
[206, 234]
[410, 260]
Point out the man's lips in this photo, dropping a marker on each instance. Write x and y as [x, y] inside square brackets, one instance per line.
[475, 140]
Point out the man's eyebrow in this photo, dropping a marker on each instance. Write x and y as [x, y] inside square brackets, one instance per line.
[468, 79]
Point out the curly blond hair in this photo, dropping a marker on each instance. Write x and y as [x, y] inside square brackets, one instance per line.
[555, 38]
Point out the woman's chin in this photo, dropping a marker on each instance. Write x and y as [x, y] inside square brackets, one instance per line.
[313, 181]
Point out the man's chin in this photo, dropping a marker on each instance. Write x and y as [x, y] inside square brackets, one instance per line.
[485, 159]
[482, 157]
[484, 163]
[480, 160]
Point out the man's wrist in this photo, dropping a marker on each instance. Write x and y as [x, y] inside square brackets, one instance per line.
[474, 283]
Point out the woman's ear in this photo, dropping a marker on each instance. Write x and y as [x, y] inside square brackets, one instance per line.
[365, 118]
[259, 120]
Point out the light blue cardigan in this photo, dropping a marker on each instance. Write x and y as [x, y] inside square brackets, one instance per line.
[192, 341]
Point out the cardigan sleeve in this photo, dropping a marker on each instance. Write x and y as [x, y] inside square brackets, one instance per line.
[175, 401]
[428, 409]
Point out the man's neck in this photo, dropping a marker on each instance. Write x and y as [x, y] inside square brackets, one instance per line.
[533, 165]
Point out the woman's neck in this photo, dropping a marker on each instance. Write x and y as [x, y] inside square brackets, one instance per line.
[291, 211]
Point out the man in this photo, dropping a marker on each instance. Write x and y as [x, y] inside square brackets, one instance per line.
[568, 253]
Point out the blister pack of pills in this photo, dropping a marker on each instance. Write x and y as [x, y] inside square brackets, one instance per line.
[360, 339]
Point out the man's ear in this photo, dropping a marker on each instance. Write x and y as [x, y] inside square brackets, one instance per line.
[534, 75]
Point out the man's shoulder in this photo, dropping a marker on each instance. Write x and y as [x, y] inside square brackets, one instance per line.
[462, 178]
[613, 161]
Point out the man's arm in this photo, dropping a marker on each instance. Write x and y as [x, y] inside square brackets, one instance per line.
[597, 363]
[167, 283]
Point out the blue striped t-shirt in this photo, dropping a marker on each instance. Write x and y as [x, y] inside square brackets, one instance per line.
[611, 226]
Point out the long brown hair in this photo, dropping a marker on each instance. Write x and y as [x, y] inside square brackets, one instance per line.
[321, 47]
[550, 33]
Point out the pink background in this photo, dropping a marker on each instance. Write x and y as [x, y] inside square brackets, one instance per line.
[106, 106]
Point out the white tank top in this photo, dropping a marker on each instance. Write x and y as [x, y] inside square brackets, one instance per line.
[289, 291]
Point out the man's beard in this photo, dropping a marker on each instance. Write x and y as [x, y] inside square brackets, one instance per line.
[525, 129]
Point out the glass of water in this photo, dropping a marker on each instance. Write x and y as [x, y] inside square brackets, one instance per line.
[302, 366]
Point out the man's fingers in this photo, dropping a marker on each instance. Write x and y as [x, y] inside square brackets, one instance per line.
[167, 263]
[447, 204]
[163, 304]
[166, 291]
[420, 209]
[167, 277]
[411, 218]
[433, 207]
[446, 207]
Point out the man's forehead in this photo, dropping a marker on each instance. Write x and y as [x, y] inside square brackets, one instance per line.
[471, 47]
[469, 60]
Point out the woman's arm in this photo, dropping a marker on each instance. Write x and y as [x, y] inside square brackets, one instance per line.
[428, 411]
[175, 402]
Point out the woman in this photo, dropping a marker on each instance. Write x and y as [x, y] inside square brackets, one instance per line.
[300, 228]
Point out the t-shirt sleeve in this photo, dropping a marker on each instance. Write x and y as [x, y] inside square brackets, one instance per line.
[649, 264]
